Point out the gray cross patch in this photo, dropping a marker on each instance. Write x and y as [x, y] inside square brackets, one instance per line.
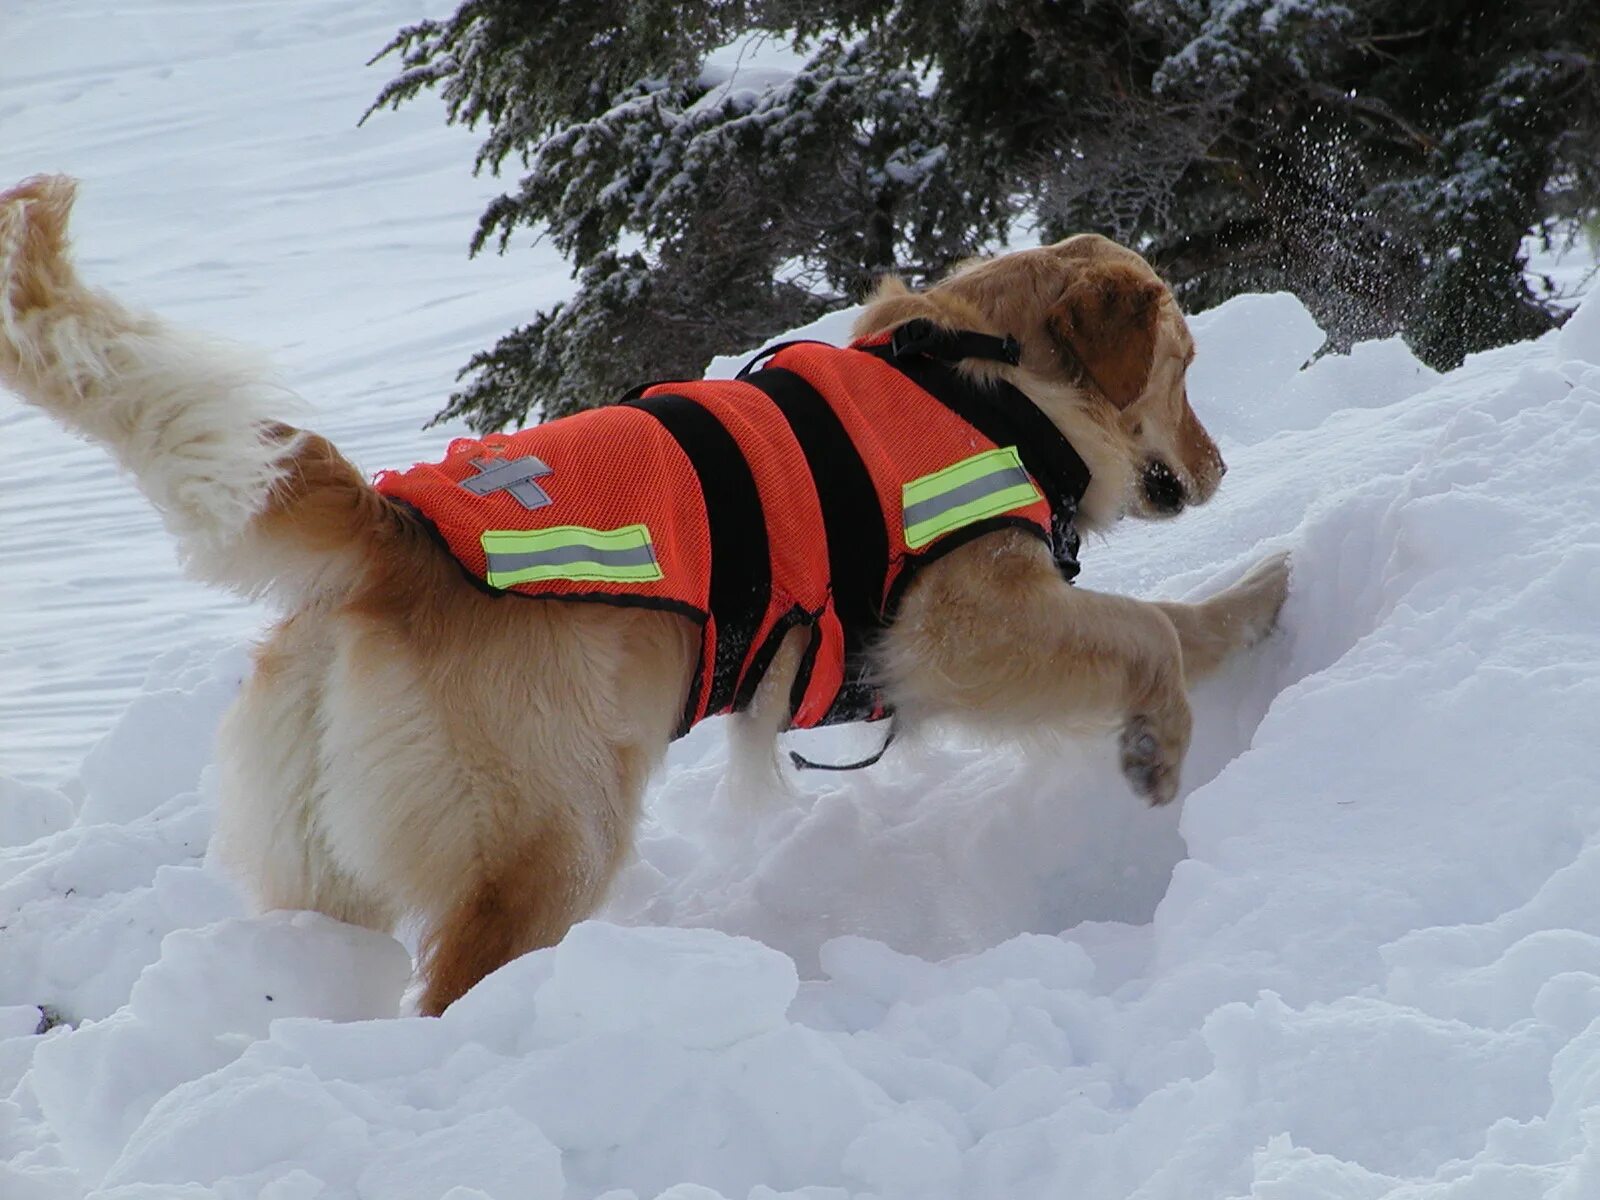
[515, 475]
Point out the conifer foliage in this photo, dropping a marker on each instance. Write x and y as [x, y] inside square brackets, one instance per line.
[1382, 159]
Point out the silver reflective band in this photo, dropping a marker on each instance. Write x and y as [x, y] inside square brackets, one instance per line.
[515, 475]
[984, 485]
[964, 493]
[636, 556]
[574, 552]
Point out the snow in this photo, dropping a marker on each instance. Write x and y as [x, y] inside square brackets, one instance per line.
[737, 87]
[212, 138]
[1359, 961]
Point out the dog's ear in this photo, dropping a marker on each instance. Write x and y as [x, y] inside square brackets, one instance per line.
[1104, 325]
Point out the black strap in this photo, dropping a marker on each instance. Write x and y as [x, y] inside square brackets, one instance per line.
[1008, 418]
[741, 567]
[853, 522]
[923, 338]
[805, 764]
[919, 337]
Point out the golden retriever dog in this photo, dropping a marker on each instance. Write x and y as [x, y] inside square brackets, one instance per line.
[409, 746]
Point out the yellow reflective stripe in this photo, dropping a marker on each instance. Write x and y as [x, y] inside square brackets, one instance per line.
[572, 552]
[956, 474]
[984, 485]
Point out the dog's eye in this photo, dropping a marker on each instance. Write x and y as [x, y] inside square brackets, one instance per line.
[1138, 428]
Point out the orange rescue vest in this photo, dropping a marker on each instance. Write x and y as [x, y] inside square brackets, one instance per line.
[806, 493]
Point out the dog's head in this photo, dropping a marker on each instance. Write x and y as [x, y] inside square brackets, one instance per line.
[1104, 353]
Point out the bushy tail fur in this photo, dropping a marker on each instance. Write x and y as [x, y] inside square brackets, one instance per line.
[255, 504]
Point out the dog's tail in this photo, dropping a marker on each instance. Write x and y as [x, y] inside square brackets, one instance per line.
[255, 504]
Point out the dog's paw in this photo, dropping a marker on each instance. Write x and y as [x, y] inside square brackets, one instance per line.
[1152, 756]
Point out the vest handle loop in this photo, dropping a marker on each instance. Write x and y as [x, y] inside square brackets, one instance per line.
[803, 763]
[767, 352]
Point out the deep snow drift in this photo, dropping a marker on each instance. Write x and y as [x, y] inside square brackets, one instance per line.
[1361, 961]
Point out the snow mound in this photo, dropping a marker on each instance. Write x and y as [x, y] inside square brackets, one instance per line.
[1579, 338]
[1361, 959]
[109, 1086]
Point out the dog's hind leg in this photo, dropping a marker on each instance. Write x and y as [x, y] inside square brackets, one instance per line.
[273, 794]
[525, 900]
[526, 894]
[485, 760]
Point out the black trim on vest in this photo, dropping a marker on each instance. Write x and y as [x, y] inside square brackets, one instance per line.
[954, 540]
[1005, 416]
[741, 562]
[660, 604]
[853, 522]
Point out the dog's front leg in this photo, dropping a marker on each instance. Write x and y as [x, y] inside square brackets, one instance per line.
[1232, 620]
[990, 635]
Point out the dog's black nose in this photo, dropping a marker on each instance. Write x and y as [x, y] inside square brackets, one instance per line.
[1162, 487]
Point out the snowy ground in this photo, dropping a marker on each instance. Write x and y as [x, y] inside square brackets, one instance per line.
[1360, 962]
[227, 185]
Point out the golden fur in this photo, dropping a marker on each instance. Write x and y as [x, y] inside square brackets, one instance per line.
[409, 746]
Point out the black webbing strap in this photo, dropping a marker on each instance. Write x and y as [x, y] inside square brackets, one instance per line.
[741, 566]
[803, 763]
[919, 337]
[922, 337]
[1008, 418]
[852, 520]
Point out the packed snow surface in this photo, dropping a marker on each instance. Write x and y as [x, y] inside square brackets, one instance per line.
[1359, 961]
